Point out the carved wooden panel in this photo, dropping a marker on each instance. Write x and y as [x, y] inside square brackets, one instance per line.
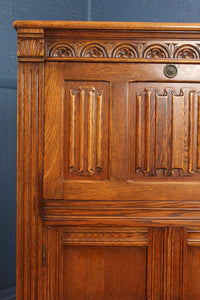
[85, 130]
[122, 49]
[108, 161]
[30, 47]
[30, 44]
[166, 129]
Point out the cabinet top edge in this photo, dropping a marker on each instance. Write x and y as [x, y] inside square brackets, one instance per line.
[107, 25]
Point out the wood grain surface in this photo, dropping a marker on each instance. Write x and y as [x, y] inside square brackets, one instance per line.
[108, 192]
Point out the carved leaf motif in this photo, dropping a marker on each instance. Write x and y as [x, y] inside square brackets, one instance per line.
[30, 47]
[156, 51]
[125, 51]
[186, 52]
[93, 50]
[62, 50]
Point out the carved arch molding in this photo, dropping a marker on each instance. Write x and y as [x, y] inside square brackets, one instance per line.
[128, 50]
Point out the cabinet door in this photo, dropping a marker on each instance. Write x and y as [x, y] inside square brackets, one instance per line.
[191, 263]
[109, 137]
[164, 133]
[122, 263]
[103, 263]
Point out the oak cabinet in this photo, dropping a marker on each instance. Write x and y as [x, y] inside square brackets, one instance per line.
[108, 161]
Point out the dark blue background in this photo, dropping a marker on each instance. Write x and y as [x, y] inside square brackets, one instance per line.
[95, 10]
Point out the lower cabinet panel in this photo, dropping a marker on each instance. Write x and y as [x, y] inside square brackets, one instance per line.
[96, 263]
[193, 264]
[104, 273]
[103, 263]
[123, 263]
[193, 271]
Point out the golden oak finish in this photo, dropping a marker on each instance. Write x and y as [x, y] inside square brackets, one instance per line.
[108, 161]
[29, 176]
[108, 25]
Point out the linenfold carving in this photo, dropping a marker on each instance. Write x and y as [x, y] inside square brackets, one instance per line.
[166, 145]
[85, 110]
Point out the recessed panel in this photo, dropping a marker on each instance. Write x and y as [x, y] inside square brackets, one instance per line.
[102, 273]
[103, 263]
[85, 130]
[164, 118]
[193, 273]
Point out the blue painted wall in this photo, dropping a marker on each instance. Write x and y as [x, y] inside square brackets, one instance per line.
[146, 10]
[96, 10]
[10, 11]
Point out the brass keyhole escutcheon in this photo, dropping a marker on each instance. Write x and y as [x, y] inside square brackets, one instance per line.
[170, 71]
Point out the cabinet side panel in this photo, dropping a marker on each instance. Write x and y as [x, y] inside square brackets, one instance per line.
[29, 178]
